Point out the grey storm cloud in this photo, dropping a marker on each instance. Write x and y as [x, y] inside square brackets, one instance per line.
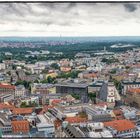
[130, 7]
[49, 11]
[17, 9]
[59, 7]
[68, 15]
[64, 11]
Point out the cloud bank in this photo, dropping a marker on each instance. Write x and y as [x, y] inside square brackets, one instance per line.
[69, 19]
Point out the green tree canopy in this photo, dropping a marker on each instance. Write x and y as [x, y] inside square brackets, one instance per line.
[55, 65]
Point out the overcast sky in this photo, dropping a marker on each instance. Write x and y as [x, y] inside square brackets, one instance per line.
[69, 19]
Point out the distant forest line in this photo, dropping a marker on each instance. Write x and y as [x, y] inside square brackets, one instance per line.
[70, 47]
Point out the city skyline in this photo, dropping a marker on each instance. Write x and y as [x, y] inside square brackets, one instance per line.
[69, 19]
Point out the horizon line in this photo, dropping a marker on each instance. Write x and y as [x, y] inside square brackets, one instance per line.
[68, 36]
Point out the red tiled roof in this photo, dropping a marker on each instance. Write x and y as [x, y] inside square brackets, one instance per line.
[22, 110]
[134, 90]
[120, 125]
[119, 114]
[19, 121]
[6, 106]
[89, 75]
[75, 119]
[7, 86]
[56, 101]
[20, 126]
[45, 109]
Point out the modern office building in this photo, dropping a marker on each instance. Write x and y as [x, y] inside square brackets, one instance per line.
[73, 87]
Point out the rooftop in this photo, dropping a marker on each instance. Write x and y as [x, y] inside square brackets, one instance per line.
[120, 125]
[118, 113]
[7, 86]
[6, 106]
[21, 122]
[134, 90]
[130, 82]
[39, 85]
[44, 120]
[22, 110]
[75, 119]
[20, 87]
[56, 101]
[72, 85]
[4, 118]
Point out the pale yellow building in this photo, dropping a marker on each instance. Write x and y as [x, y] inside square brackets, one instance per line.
[52, 74]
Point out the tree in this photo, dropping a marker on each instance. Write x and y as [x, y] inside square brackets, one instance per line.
[36, 81]
[49, 80]
[33, 104]
[23, 105]
[110, 60]
[14, 67]
[55, 65]
[104, 60]
[127, 67]
[44, 71]
[27, 73]
[92, 96]
[73, 74]
[113, 71]
[25, 83]
[76, 96]
[9, 73]
[117, 84]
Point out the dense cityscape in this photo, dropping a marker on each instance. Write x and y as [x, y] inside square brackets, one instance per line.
[69, 69]
[50, 93]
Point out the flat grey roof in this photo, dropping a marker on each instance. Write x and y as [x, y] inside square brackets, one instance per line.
[3, 117]
[72, 85]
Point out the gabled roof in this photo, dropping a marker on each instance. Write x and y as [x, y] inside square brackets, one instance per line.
[120, 125]
[6, 106]
[7, 86]
[56, 101]
[21, 122]
[22, 110]
[75, 119]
